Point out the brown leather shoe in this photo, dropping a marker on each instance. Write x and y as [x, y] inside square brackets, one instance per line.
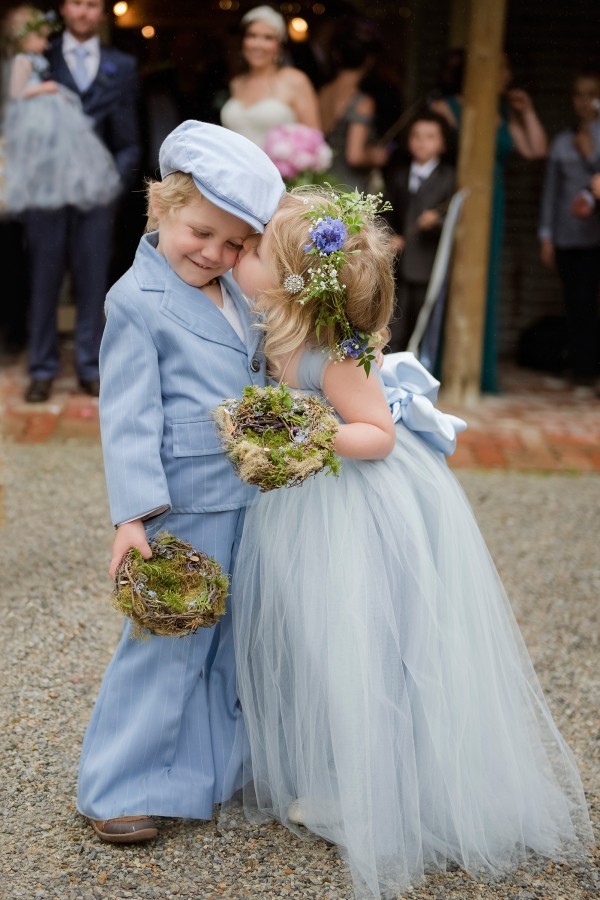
[126, 829]
[90, 387]
[38, 390]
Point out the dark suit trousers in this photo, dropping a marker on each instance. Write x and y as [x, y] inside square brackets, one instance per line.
[410, 297]
[83, 241]
[579, 270]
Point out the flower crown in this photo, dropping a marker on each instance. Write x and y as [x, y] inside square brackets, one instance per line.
[332, 222]
[37, 21]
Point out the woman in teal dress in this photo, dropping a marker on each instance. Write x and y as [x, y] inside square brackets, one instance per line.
[519, 130]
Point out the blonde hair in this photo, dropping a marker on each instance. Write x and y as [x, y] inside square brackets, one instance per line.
[16, 22]
[167, 196]
[367, 276]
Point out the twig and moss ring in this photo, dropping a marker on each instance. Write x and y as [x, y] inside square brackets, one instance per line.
[175, 592]
[277, 438]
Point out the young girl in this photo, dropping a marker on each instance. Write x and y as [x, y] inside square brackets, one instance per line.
[389, 699]
[53, 156]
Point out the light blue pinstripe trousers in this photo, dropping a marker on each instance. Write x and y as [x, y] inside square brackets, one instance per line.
[161, 735]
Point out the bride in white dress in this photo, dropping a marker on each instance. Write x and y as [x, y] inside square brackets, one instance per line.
[267, 94]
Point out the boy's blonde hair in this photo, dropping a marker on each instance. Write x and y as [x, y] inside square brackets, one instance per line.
[367, 276]
[169, 195]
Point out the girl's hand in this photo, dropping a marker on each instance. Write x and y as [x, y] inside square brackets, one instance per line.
[547, 254]
[131, 535]
[398, 243]
[595, 186]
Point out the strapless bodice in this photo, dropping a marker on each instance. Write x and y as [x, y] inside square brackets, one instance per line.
[255, 121]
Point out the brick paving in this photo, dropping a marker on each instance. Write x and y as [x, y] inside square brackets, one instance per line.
[538, 423]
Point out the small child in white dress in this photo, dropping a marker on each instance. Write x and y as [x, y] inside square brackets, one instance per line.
[53, 157]
[390, 702]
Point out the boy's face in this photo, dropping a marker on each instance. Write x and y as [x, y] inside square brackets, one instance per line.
[200, 241]
[585, 92]
[82, 18]
[253, 271]
[425, 141]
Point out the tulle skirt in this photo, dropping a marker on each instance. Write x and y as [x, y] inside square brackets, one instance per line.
[384, 682]
[53, 156]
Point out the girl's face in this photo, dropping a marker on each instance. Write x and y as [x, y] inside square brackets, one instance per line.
[260, 46]
[200, 241]
[253, 270]
[35, 42]
[585, 92]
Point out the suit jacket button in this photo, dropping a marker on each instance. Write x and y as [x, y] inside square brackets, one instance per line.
[255, 365]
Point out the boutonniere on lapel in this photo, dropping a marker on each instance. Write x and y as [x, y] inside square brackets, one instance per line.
[108, 68]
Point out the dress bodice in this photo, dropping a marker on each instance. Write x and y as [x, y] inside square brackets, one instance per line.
[255, 121]
[39, 66]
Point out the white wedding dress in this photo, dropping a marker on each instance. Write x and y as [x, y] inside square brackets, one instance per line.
[383, 679]
[255, 121]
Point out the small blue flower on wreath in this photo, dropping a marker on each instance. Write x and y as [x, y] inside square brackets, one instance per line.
[328, 234]
[354, 346]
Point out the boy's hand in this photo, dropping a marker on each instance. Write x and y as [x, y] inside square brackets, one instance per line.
[131, 535]
[398, 242]
[428, 219]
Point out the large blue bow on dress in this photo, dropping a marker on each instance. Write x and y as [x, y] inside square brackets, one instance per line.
[412, 392]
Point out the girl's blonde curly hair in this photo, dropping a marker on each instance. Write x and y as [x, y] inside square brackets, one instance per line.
[367, 276]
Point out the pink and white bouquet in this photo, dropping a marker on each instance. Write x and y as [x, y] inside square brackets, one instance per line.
[300, 153]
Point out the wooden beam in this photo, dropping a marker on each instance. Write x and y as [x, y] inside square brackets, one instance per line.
[475, 170]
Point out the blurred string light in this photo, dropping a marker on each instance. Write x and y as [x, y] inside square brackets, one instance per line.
[148, 31]
[298, 29]
[318, 9]
[229, 5]
[119, 9]
[290, 8]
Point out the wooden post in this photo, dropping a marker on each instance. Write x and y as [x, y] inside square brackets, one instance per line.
[468, 282]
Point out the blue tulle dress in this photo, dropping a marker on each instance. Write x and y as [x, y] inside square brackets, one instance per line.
[383, 679]
[53, 157]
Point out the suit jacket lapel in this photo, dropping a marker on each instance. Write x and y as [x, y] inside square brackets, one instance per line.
[192, 309]
[59, 67]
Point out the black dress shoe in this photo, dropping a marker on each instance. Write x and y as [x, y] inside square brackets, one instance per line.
[125, 830]
[38, 390]
[91, 387]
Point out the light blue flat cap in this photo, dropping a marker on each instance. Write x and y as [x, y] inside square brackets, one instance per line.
[228, 169]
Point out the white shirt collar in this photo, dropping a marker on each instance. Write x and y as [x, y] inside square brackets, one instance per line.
[424, 170]
[92, 45]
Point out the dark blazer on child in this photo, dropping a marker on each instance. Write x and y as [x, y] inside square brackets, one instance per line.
[416, 261]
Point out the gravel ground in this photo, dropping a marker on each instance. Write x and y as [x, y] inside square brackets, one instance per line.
[59, 632]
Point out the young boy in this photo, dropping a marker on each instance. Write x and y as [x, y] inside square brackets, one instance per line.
[178, 340]
[419, 194]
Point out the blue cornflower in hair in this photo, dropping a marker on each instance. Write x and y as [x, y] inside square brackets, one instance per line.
[328, 234]
[354, 346]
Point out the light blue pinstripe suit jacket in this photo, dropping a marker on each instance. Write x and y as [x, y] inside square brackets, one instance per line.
[168, 357]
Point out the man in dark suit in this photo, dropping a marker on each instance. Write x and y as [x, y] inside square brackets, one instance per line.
[107, 82]
[419, 193]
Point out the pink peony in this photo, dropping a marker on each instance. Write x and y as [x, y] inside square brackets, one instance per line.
[296, 149]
